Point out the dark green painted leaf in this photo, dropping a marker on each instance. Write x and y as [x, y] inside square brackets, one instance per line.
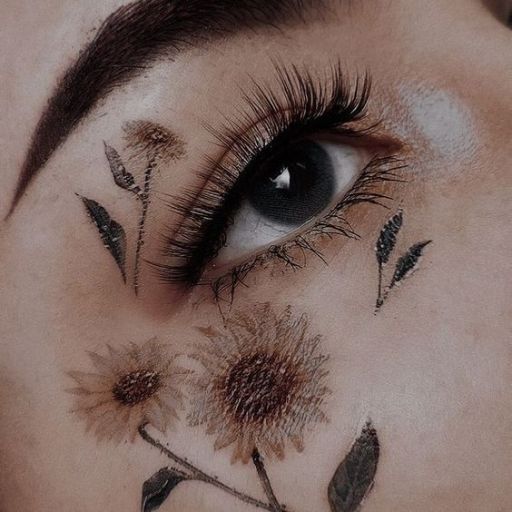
[156, 489]
[112, 233]
[122, 177]
[408, 263]
[354, 477]
[387, 238]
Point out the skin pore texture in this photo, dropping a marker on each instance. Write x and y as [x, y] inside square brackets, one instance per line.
[419, 393]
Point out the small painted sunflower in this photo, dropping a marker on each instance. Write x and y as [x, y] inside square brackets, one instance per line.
[134, 385]
[262, 383]
[147, 139]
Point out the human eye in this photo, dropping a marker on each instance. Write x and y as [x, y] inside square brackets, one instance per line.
[291, 166]
[287, 193]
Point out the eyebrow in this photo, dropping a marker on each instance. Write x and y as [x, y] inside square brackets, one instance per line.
[132, 38]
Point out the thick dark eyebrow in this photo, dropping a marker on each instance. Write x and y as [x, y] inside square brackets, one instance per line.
[131, 39]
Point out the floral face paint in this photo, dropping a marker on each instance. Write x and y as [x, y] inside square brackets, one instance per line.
[133, 385]
[263, 384]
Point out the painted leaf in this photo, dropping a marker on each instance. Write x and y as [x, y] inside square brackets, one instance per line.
[408, 263]
[112, 233]
[156, 489]
[354, 477]
[387, 238]
[121, 176]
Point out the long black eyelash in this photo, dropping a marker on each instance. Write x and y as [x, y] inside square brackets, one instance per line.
[365, 190]
[302, 105]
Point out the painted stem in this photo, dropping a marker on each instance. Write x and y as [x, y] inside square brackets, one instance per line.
[265, 481]
[197, 474]
[380, 298]
[142, 222]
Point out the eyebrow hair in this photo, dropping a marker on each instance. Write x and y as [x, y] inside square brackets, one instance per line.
[130, 39]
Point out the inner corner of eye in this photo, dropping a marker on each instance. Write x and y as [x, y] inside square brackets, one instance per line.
[287, 194]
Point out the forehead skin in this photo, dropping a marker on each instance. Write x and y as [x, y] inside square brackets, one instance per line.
[433, 370]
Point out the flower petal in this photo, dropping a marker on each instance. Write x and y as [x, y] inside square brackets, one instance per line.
[91, 382]
[102, 364]
[93, 400]
[225, 439]
[156, 417]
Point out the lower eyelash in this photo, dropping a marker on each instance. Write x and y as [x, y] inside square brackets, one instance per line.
[380, 170]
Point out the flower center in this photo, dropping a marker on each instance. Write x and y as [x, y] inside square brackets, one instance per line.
[136, 387]
[257, 388]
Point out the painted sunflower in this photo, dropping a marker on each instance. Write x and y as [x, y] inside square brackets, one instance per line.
[133, 385]
[262, 383]
[149, 140]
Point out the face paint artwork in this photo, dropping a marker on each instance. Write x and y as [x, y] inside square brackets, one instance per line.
[260, 386]
[149, 148]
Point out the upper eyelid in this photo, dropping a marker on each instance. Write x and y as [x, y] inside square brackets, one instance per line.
[251, 122]
[249, 126]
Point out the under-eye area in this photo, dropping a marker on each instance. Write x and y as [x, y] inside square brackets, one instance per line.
[299, 155]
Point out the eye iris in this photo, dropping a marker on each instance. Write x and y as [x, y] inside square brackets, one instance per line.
[295, 187]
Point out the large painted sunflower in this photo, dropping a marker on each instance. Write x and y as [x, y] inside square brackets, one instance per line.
[262, 383]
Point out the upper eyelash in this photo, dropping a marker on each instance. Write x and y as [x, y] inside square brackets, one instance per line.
[304, 104]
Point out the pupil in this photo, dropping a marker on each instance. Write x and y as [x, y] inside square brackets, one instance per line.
[295, 187]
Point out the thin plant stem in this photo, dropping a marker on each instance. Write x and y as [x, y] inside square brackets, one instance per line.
[380, 298]
[265, 481]
[197, 474]
[142, 222]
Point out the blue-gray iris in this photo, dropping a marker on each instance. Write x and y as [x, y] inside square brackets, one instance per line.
[296, 186]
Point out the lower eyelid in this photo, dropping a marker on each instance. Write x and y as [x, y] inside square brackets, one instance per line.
[260, 247]
[252, 233]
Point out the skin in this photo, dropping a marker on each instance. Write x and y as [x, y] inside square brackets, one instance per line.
[433, 369]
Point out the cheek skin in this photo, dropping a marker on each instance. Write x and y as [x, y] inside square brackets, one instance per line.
[60, 315]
